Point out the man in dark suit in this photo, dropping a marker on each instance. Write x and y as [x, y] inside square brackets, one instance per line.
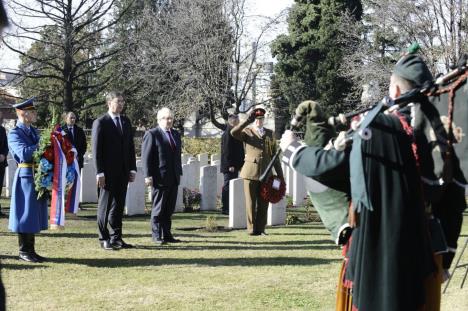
[76, 135]
[3, 154]
[162, 168]
[114, 157]
[232, 159]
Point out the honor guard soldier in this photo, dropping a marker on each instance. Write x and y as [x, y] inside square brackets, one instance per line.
[259, 145]
[28, 215]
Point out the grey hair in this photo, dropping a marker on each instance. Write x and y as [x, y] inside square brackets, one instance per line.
[163, 111]
[113, 94]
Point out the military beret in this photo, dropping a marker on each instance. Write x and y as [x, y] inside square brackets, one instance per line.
[412, 68]
[26, 105]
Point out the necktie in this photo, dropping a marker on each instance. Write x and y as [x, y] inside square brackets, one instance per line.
[117, 123]
[171, 140]
[71, 133]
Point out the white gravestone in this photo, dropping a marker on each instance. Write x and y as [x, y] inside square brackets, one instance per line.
[203, 159]
[135, 200]
[215, 157]
[219, 177]
[208, 187]
[180, 200]
[237, 216]
[299, 191]
[88, 191]
[277, 213]
[185, 157]
[193, 174]
[288, 175]
[9, 175]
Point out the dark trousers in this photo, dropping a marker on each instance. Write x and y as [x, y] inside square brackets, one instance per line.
[110, 211]
[2, 176]
[256, 208]
[164, 200]
[225, 192]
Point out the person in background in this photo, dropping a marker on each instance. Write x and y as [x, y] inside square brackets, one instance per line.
[76, 136]
[3, 154]
[232, 159]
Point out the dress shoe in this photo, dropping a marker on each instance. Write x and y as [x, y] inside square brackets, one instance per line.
[344, 235]
[254, 233]
[159, 241]
[172, 240]
[106, 245]
[29, 257]
[121, 244]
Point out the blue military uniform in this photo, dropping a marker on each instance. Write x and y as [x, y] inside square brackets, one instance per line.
[28, 215]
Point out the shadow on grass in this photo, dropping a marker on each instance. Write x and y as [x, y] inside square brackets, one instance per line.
[210, 262]
[9, 266]
[240, 247]
[86, 235]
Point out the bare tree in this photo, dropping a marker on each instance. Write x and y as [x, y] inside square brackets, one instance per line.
[390, 26]
[197, 56]
[67, 48]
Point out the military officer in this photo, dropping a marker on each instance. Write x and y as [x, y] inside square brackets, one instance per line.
[259, 146]
[28, 215]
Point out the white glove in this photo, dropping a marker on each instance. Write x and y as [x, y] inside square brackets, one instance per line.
[340, 142]
[287, 138]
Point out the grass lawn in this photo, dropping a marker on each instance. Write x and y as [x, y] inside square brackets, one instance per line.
[293, 268]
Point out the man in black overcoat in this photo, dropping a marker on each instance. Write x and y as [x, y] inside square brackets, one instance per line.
[3, 154]
[162, 168]
[76, 135]
[114, 158]
[232, 159]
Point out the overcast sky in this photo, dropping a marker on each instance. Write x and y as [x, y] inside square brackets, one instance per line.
[254, 7]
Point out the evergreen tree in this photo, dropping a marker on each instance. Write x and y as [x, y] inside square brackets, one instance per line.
[310, 56]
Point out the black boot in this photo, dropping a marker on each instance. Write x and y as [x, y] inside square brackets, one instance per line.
[26, 252]
[32, 239]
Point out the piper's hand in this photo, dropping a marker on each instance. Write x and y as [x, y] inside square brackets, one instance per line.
[340, 142]
[101, 181]
[232, 169]
[131, 177]
[305, 107]
[149, 181]
[287, 138]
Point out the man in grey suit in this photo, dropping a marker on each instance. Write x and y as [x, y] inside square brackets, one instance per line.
[162, 168]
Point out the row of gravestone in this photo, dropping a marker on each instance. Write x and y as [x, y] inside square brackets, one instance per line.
[199, 174]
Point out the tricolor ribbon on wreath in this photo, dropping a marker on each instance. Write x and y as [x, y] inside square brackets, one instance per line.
[61, 200]
[57, 175]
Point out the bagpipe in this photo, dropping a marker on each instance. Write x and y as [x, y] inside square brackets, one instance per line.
[444, 102]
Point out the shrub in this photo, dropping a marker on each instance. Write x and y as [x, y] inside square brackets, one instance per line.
[195, 146]
[210, 224]
[191, 197]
